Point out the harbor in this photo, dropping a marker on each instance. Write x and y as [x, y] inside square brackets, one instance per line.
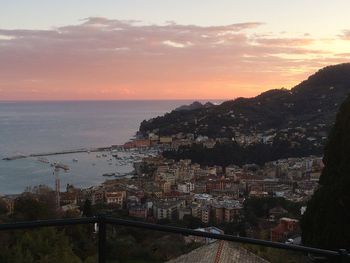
[83, 167]
[63, 131]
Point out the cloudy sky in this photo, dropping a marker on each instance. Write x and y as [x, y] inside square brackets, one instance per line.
[164, 49]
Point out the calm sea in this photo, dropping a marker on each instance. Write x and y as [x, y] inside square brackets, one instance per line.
[35, 127]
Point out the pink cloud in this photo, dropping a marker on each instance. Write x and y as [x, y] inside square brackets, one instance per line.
[113, 59]
[286, 41]
[345, 35]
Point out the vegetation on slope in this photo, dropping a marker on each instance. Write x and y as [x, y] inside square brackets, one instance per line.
[225, 154]
[315, 100]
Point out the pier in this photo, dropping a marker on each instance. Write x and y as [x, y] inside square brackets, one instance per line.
[22, 156]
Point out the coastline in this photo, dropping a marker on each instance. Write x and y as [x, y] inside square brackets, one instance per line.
[85, 168]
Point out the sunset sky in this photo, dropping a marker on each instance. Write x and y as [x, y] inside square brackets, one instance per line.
[165, 49]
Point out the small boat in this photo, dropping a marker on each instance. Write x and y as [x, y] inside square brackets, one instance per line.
[61, 166]
[109, 174]
[14, 157]
[43, 160]
[75, 160]
[98, 156]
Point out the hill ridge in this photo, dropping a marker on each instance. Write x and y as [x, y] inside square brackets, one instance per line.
[315, 101]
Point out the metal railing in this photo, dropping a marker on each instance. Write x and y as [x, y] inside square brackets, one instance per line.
[341, 255]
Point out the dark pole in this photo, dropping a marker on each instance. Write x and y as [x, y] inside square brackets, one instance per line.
[101, 239]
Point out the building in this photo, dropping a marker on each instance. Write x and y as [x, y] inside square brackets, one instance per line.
[196, 210]
[177, 143]
[200, 187]
[152, 190]
[205, 214]
[117, 197]
[220, 184]
[232, 213]
[165, 140]
[141, 143]
[165, 186]
[153, 138]
[286, 228]
[226, 210]
[71, 207]
[209, 144]
[68, 198]
[97, 197]
[167, 209]
[183, 212]
[139, 211]
[185, 187]
[219, 213]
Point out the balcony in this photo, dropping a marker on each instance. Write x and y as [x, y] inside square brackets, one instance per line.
[221, 248]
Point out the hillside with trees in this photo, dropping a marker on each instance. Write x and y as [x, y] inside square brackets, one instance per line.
[224, 154]
[312, 102]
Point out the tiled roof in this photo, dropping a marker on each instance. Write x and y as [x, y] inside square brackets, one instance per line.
[229, 252]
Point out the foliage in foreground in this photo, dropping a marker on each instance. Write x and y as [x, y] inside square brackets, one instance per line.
[325, 223]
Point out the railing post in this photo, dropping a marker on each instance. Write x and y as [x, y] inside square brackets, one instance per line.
[102, 236]
[344, 257]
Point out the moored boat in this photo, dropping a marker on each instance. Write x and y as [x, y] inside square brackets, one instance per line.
[109, 174]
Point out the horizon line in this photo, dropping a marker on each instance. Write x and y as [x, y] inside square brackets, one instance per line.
[111, 100]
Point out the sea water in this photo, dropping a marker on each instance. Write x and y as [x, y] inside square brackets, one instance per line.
[36, 127]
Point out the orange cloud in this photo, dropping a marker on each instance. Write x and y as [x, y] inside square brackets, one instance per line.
[112, 59]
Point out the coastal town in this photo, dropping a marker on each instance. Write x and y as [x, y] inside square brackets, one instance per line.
[174, 131]
[213, 197]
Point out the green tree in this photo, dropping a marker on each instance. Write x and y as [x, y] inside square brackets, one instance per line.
[45, 245]
[325, 223]
[87, 208]
[29, 207]
[3, 207]
[192, 222]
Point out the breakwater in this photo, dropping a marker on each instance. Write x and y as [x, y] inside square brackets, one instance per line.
[22, 156]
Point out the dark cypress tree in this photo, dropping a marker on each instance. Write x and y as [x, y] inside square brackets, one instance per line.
[87, 208]
[326, 222]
